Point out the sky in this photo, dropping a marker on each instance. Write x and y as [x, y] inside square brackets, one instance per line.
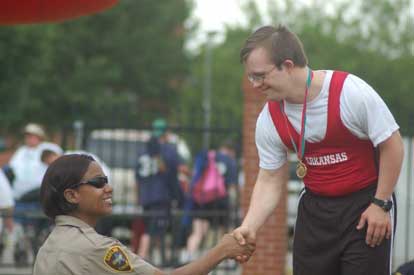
[213, 15]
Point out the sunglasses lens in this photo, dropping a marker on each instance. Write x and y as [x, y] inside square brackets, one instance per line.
[98, 182]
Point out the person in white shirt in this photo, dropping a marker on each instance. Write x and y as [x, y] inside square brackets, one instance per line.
[25, 162]
[349, 158]
[6, 203]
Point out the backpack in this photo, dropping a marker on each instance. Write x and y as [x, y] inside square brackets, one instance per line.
[210, 186]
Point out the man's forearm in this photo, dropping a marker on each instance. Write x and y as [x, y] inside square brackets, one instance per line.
[265, 197]
[391, 157]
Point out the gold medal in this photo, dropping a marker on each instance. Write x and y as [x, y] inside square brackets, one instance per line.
[301, 170]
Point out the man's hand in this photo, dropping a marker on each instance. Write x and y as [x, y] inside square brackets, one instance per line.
[379, 225]
[244, 236]
[233, 249]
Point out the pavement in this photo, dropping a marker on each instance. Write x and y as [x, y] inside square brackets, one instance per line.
[15, 271]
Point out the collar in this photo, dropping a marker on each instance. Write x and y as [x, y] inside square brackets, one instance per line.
[62, 220]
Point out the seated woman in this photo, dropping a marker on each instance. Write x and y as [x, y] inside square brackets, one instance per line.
[75, 194]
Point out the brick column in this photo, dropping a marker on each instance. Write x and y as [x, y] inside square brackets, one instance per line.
[269, 258]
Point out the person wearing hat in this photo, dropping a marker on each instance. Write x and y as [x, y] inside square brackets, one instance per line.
[157, 180]
[159, 127]
[28, 171]
[26, 163]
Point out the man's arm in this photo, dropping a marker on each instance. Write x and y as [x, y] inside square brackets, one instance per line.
[265, 197]
[391, 153]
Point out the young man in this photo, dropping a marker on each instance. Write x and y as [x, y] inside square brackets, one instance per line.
[156, 176]
[349, 158]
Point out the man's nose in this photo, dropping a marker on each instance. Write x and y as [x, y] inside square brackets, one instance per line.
[256, 84]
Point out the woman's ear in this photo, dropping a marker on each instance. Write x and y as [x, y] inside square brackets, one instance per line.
[71, 196]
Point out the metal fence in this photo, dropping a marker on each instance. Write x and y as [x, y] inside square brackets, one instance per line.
[118, 148]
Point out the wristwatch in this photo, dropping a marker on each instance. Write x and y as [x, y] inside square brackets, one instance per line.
[386, 205]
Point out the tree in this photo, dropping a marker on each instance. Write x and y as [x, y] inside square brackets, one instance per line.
[128, 62]
[372, 39]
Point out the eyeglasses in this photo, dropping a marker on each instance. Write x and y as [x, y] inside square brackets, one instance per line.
[258, 78]
[98, 182]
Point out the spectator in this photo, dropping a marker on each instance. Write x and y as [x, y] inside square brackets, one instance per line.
[6, 198]
[157, 180]
[6, 206]
[214, 211]
[28, 170]
[26, 163]
[6, 219]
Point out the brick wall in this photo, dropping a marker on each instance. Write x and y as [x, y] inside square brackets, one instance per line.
[269, 258]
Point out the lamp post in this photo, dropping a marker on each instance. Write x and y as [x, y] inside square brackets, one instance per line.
[207, 87]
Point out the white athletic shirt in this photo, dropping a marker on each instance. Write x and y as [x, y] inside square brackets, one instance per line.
[28, 167]
[6, 196]
[363, 112]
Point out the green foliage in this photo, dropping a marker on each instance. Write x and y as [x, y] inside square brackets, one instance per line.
[130, 62]
[126, 62]
[372, 39]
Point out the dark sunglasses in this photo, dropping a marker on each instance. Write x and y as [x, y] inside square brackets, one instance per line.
[98, 182]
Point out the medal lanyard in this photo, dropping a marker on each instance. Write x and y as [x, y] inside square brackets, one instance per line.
[301, 152]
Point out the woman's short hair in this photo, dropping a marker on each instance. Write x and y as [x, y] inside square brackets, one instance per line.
[64, 172]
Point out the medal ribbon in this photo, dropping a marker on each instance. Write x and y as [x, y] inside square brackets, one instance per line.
[301, 152]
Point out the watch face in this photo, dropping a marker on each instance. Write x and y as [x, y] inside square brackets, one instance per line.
[387, 206]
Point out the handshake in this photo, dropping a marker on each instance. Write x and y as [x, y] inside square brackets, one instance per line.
[238, 245]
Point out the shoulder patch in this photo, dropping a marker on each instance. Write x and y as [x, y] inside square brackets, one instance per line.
[117, 259]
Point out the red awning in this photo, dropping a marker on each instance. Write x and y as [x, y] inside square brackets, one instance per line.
[44, 11]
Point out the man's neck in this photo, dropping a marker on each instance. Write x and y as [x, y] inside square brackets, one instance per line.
[298, 89]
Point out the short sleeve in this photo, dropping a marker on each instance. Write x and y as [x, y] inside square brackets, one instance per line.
[6, 195]
[272, 152]
[112, 257]
[364, 112]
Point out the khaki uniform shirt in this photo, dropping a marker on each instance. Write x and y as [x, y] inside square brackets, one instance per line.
[76, 248]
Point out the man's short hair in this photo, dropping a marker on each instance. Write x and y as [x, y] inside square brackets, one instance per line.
[280, 42]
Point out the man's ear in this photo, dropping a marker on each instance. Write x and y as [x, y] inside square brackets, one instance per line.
[71, 196]
[288, 64]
